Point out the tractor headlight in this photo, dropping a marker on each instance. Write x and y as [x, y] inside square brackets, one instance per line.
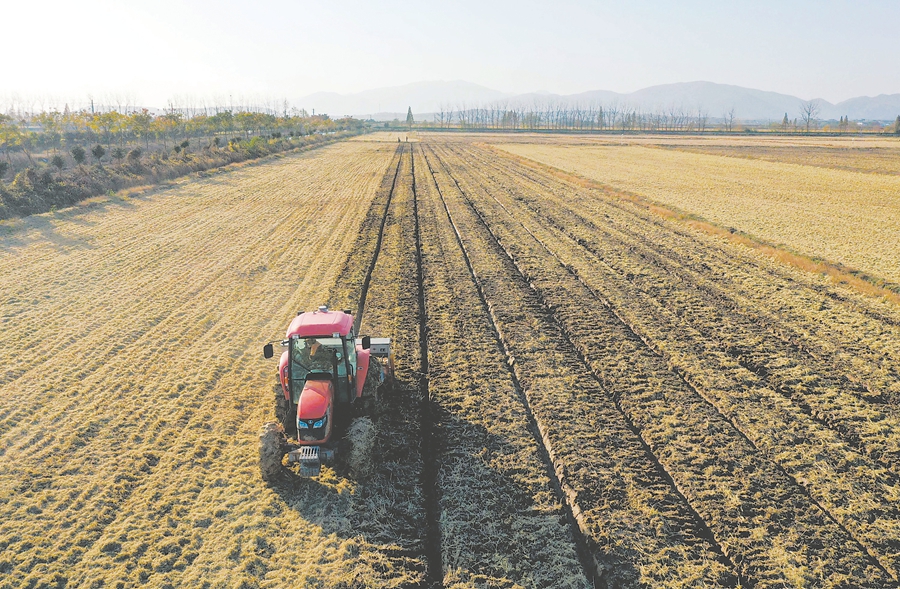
[321, 422]
[302, 424]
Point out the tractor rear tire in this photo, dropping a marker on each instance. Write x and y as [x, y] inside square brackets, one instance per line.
[272, 446]
[360, 447]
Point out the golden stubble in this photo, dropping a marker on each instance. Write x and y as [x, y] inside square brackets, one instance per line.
[133, 385]
[849, 218]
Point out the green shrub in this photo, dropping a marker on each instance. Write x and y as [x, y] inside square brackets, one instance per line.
[78, 154]
[98, 151]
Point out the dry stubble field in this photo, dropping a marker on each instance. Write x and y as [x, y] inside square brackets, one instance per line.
[589, 394]
[824, 203]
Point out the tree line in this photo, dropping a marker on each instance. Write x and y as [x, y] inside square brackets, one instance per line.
[552, 115]
[57, 158]
[67, 136]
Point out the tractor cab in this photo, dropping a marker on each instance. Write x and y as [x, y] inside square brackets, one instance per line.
[325, 358]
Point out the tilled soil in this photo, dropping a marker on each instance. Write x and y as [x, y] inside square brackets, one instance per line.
[587, 394]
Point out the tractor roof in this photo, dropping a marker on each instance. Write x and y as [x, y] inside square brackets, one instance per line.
[320, 323]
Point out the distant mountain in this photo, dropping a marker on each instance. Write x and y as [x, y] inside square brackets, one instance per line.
[717, 100]
[714, 99]
[881, 107]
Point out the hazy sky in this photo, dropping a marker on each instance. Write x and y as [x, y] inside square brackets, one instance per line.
[283, 48]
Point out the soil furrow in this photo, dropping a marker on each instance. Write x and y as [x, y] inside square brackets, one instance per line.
[639, 528]
[429, 475]
[682, 404]
[501, 524]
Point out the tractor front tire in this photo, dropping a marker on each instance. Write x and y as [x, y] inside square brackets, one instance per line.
[272, 444]
[360, 447]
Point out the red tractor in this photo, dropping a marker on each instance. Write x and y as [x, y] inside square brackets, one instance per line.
[328, 381]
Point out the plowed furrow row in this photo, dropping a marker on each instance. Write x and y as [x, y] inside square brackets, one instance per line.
[386, 510]
[388, 292]
[500, 523]
[637, 526]
[862, 497]
[757, 512]
[835, 327]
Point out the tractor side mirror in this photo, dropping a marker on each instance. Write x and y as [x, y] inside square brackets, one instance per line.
[268, 351]
[366, 342]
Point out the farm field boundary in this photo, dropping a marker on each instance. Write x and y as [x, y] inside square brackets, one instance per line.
[837, 273]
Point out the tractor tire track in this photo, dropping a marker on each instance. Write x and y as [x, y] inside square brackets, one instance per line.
[429, 450]
[364, 290]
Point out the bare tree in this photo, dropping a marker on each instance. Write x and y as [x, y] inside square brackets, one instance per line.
[729, 120]
[702, 117]
[809, 112]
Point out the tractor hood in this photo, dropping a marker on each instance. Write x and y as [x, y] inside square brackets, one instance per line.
[314, 399]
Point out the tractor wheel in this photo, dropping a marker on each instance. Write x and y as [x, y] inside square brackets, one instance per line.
[285, 412]
[360, 447]
[272, 443]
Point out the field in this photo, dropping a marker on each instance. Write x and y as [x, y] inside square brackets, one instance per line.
[820, 204]
[589, 393]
